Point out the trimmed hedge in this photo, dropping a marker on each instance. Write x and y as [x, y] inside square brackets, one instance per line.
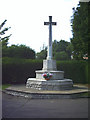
[19, 70]
[75, 70]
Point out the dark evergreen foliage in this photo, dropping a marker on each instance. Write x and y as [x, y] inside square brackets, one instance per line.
[81, 35]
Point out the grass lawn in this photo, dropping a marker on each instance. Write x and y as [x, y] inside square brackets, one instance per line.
[86, 85]
[5, 86]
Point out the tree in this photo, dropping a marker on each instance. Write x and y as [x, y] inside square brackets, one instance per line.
[19, 51]
[69, 50]
[62, 47]
[42, 54]
[62, 50]
[61, 56]
[4, 40]
[80, 32]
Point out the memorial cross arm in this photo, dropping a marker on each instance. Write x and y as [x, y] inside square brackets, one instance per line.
[47, 23]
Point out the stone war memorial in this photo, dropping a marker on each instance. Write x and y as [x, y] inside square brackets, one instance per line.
[49, 82]
[49, 78]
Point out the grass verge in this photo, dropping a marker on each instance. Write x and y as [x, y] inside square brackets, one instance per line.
[3, 87]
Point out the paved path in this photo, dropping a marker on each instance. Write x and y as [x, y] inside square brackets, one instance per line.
[19, 107]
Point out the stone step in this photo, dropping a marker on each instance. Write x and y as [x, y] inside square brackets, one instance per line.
[42, 84]
[22, 91]
[56, 75]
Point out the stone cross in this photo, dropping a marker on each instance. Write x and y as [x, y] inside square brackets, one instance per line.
[50, 23]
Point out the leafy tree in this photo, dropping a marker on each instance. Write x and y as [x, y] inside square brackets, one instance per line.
[80, 32]
[69, 50]
[62, 50]
[61, 56]
[4, 40]
[62, 47]
[42, 54]
[20, 51]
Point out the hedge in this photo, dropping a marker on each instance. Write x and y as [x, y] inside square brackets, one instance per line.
[19, 70]
[75, 70]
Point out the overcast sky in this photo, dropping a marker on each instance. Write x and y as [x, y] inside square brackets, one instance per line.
[26, 19]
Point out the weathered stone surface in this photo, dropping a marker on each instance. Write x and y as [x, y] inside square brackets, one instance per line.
[56, 75]
[49, 84]
[21, 90]
[57, 81]
[49, 65]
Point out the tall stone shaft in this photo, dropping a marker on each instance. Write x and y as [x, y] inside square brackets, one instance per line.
[50, 23]
[49, 54]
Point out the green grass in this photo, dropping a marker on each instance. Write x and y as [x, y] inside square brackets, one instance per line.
[5, 86]
[86, 95]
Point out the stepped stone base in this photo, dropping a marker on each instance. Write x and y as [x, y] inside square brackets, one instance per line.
[57, 75]
[56, 82]
[40, 84]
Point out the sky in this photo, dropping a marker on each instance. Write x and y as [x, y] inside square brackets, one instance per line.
[26, 19]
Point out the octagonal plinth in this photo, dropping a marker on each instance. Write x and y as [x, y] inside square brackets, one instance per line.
[56, 75]
[49, 84]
